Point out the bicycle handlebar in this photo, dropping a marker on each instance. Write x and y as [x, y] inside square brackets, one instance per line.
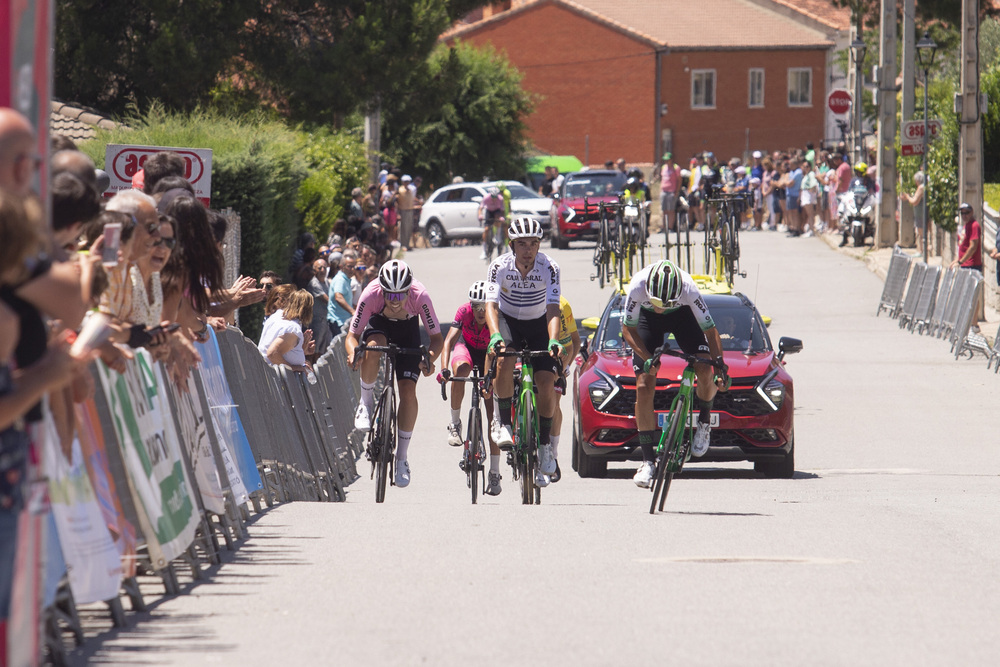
[394, 350]
[485, 380]
[531, 354]
[690, 358]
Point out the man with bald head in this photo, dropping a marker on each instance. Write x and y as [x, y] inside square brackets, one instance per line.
[18, 158]
[77, 163]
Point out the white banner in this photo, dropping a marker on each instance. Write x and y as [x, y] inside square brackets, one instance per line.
[194, 438]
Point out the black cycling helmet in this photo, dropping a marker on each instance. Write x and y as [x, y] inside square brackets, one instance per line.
[635, 172]
[633, 183]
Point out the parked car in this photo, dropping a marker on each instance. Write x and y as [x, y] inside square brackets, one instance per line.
[574, 213]
[451, 212]
[755, 417]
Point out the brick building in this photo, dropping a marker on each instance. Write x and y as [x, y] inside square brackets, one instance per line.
[632, 78]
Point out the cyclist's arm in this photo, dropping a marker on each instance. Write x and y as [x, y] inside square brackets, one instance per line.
[552, 319]
[631, 336]
[714, 342]
[350, 344]
[437, 341]
[572, 349]
[493, 316]
[449, 343]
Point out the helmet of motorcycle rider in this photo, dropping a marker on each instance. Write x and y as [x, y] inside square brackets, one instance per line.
[861, 168]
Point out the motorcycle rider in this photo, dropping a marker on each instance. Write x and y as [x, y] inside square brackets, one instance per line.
[862, 184]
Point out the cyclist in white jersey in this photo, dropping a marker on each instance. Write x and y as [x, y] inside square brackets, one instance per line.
[661, 299]
[522, 311]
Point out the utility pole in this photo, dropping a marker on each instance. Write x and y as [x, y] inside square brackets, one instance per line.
[970, 139]
[886, 234]
[373, 138]
[852, 85]
[907, 232]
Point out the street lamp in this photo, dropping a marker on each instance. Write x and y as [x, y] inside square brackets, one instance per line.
[926, 49]
[858, 48]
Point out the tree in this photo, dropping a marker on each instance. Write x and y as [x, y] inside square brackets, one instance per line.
[114, 53]
[466, 118]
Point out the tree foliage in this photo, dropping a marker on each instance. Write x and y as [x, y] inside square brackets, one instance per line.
[466, 118]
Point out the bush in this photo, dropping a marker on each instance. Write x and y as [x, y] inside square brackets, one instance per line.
[263, 170]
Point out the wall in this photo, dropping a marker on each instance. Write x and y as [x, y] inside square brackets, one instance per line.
[591, 81]
[723, 130]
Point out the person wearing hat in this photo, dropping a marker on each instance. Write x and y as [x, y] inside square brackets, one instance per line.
[970, 240]
[670, 185]
[405, 204]
[758, 168]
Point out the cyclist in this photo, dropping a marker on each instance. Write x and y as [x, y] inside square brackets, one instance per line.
[522, 310]
[491, 211]
[388, 312]
[465, 349]
[661, 299]
[636, 173]
[569, 338]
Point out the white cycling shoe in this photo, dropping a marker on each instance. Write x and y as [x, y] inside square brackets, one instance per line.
[503, 437]
[493, 486]
[402, 474]
[546, 462]
[541, 479]
[362, 420]
[702, 436]
[455, 433]
[644, 475]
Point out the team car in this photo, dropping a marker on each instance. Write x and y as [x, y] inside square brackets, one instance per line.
[575, 211]
[753, 421]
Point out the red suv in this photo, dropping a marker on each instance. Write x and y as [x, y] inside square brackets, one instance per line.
[753, 421]
[574, 213]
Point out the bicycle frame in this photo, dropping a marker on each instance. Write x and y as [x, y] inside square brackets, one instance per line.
[473, 460]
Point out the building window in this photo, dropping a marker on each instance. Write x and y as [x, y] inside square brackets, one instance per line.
[799, 87]
[703, 89]
[756, 100]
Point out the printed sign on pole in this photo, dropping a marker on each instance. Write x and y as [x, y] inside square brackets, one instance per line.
[122, 162]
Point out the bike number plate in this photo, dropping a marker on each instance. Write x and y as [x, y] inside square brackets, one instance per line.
[661, 419]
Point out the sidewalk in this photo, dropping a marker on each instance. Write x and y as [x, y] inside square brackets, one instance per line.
[877, 262]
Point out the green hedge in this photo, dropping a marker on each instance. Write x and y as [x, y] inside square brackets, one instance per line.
[267, 172]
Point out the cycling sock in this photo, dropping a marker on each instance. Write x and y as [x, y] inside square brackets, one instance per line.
[544, 430]
[504, 406]
[646, 441]
[456, 416]
[705, 411]
[494, 463]
[554, 441]
[402, 444]
[367, 394]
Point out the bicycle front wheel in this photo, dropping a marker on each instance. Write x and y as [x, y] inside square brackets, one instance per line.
[383, 439]
[524, 454]
[475, 461]
[661, 485]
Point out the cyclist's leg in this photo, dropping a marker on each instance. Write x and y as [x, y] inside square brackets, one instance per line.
[461, 366]
[369, 374]
[650, 329]
[503, 387]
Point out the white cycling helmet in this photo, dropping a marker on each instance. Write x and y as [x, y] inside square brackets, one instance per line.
[524, 228]
[493, 191]
[663, 286]
[477, 293]
[395, 276]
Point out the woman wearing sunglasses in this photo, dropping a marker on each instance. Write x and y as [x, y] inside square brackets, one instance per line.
[661, 299]
[390, 308]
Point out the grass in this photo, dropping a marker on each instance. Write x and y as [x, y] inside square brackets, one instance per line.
[991, 193]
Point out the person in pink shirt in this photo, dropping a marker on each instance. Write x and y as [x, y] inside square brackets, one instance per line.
[670, 185]
[842, 171]
[390, 311]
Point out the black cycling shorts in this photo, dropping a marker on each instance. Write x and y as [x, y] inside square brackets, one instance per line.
[530, 335]
[404, 333]
[490, 215]
[654, 327]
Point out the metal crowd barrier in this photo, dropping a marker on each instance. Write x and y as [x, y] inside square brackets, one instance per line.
[895, 283]
[944, 292]
[301, 443]
[909, 307]
[925, 304]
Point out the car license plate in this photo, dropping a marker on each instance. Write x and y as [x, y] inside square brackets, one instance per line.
[661, 419]
[594, 224]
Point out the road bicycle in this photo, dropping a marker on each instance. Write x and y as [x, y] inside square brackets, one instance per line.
[681, 226]
[674, 448]
[632, 231]
[605, 250]
[523, 456]
[381, 443]
[729, 211]
[495, 237]
[474, 447]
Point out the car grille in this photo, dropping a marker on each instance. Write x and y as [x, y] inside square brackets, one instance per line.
[737, 402]
[614, 434]
[720, 437]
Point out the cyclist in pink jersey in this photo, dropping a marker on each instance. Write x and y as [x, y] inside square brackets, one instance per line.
[389, 311]
[491, 211]
[465, 349]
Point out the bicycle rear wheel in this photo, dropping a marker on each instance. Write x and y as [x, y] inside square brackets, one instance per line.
[641, 241]
[383, 441]
[661, 485]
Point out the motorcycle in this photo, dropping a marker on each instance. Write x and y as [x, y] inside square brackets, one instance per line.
[855, 213]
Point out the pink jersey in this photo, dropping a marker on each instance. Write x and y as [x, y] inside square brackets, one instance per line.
[475, 337]
[372, 301]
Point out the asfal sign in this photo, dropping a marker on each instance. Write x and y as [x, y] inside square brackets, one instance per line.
[122, 162]
[911, 136]
[839, 101]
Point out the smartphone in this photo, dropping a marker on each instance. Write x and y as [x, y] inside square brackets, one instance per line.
[170, 328]
[112, 242]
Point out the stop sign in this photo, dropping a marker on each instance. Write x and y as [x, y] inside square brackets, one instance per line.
[839, 101]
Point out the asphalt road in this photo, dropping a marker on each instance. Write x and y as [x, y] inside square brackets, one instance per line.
[881, 550]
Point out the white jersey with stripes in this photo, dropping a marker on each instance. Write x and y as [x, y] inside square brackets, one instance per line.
[523, 297]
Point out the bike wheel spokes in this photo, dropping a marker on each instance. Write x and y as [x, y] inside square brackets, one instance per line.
[664, 475]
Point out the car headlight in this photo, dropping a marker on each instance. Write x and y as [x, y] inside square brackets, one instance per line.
[772, 391]
[602, 390]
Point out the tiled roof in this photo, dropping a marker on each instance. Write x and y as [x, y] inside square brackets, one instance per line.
[76, 123]
[686, 25]
[824, 11]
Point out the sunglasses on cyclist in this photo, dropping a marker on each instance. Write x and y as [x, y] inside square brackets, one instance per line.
[396, 297]
[657, 303]
[478, 306]
[169, 242]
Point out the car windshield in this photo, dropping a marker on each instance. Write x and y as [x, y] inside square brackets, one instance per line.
[595, 185]
[736, 325]
[518, 191]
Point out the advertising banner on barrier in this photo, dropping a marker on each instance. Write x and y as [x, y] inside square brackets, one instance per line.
[213, 378]
[152, 457]
[193, 435]
[93, 563]
[95, 456]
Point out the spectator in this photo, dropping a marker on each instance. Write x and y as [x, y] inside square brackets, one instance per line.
[136, 212]
[843, 175]
[168, 183]
[970, 241]
[388, 206]
[792, 183]
[305, 273]
[916, 201]
[74, 203]
[76, 163]
[284, 341]
[339, 234]
[268, 281]
[319, 287]
[546, 189]
[356, 211]
[670, 180]
[159, 166]
[306, 240]
[369, 204]
[808, 198]
[18, 160]
[620, 164]
[758, 166]
[406, 204]
[757, 203]
[340, 298]
[609, 164]
[59, 142]
[276, 299]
